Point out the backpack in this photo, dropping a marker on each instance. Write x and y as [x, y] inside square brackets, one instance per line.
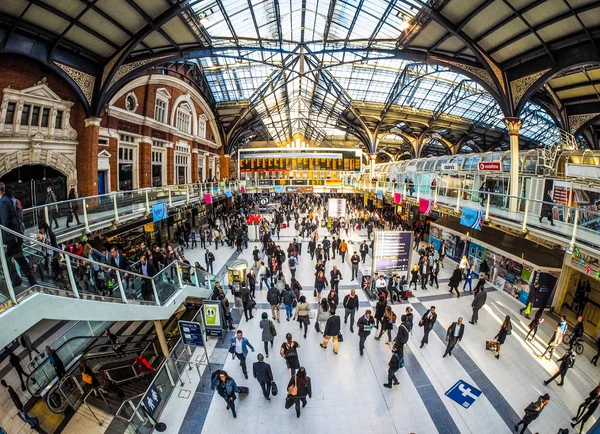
[272, 297]
[291, 262]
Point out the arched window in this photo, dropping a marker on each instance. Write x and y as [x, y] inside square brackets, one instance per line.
[161, 105]
[183, 119]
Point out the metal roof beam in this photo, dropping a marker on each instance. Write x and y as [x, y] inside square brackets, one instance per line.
[228, 21]
[148, 20]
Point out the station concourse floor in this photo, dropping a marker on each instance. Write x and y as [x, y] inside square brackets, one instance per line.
[348, 395]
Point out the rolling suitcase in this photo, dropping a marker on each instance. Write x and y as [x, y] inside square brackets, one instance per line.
[244, 390]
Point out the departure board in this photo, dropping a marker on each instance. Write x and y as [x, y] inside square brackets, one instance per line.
[284, 160]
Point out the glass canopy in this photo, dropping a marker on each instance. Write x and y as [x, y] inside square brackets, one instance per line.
[302, 64]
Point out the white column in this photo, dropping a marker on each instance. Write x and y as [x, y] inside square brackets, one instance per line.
[514, 125]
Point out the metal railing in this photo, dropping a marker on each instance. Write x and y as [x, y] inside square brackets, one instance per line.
[573, 225]
[86, 213]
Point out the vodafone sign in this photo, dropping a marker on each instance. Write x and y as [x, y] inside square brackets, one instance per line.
[490, 166]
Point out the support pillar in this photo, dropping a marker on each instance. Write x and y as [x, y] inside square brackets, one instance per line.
[372, 158]
[145, 162]
[514, 125]
[160, 334]
[87, 158]
[225, 164]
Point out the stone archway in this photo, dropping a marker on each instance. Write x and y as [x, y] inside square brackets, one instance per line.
[37, 155]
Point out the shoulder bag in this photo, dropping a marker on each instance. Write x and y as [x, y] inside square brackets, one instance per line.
[293, 390]
[272, 329]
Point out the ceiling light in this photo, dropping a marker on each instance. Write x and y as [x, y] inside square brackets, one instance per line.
[403, 25]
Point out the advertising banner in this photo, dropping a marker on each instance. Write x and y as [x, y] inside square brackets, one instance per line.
[471, 218]
[211, 310]
[207, 198]
[392, 251]
[159, 212]
[336, 208]
[425, 206]
[397, 199]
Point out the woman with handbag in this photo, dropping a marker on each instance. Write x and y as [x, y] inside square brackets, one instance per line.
[387, 325]
[226, 388]
[268, 331]
[505, 330]
[323, 315]
[333, 299]
[302, 314]
[532, 412]
[289, 351]
[299, 388]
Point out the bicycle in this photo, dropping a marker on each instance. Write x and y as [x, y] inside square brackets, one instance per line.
[575, 344]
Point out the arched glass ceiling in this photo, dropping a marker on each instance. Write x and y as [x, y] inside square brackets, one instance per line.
[275, 64]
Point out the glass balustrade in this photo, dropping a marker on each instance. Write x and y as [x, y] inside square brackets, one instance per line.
[167, 282]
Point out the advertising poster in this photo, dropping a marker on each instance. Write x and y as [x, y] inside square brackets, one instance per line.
[471, 218]
[392, 251]
[425, 206]
[212, 317]
[336, 208]
[159, 212]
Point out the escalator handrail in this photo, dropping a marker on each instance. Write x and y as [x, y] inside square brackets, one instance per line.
[46, 360]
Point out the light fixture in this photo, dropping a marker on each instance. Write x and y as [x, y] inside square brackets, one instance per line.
[403, 25]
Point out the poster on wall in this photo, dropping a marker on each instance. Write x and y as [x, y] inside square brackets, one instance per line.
[392, 251]
[336, 207]
[425, 206]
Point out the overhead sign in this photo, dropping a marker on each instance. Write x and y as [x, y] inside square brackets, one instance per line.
[211, 310]
[449, 167]
[151, 400]
[336, 207]
[489, 166]
[463, 393]
[392, 251]
[191, 333]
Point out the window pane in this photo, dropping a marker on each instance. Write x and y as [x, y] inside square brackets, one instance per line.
[10, 113]
[25, 114]
[45, 116]
[58, 121]
[35, 116]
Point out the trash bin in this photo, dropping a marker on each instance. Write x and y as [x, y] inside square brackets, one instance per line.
[236, 277]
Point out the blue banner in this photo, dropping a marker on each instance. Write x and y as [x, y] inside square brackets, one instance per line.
[228, 193]
[159, 212]
[215, 189]
[279, 189]
[380, 195]
[471, 218]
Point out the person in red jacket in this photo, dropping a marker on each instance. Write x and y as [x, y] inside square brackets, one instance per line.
[142, 364]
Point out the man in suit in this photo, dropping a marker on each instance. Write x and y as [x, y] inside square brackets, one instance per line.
[402, 336]
[454, 335]
[147, 269]
[263, 374]
[14, 249]
[478, 302]
[365, 323]
[209, 258]
[427, 322]
[363, 249]
[119, 260]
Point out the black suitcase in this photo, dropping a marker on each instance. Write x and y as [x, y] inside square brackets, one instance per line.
[244, 390]
[274, 390]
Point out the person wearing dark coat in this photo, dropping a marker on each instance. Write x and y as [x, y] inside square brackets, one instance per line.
[16, 363]
[380, 311]
[394, 365]
[226, 388]
[505, 330]
[332, 329]
[263, 374]
[478, 302]
[567, 361]
[147, 269]
[427, 322]
[532, 412]
[455, 281]
[535, 323]
[302, 382]
[402, 336]
[454, 335]
[246, 299]
[547, 206]
[365, 324]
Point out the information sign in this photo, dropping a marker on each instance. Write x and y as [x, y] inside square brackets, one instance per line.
[211, 310]
[392, 251]
[191, 333]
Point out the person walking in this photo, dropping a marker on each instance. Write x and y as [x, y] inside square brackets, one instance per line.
[246, 302]
[505, 330]
[567, 361]
[455, 281]
[261, 370]
[209, 258]
[320, 284]
[239, 348]
[257, 256]
[587, 408]
[442, 253]
[14, 396]
[323, 314]
[469, 279]
[351, 305]
[363, 249]
[394, 365]
[268, 331]
[365, 324]
[435, 270]
[478, 302]
[113, 340]
[52, 208]
[264, 274]
[333, 300]
[293, 263]
[288, 297]
[552, 343]
[332, 330]
[427, 321]
[389, 319]
[535, 323]
[532, 412]
[336, 277]
[302, 314]
[226, 388]
[26, 343]
[414, 276]
[403, 334]
[343, 248]
[251, 281]
[547, 206]
[289, 351]
[454, 335]
[16, 363]
[56, 362]
[380, 311]
[274, 299]
[354, 261]
[299, 388]
[73, 207]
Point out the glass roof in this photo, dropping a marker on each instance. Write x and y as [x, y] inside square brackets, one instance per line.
[301, 64]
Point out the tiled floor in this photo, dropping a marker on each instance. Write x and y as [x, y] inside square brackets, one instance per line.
[347, 389]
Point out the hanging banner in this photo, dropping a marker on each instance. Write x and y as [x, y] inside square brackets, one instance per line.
[425, 206]
[243, 189]
[228, 193]
[336, 208]
[207, 198]
[471, 218]
[149, 227]
[380, 195]
[160, 211]
[215, 189]
[279, 189]
[397, 199]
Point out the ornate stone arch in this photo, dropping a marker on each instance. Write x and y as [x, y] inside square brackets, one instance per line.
[37, 155]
